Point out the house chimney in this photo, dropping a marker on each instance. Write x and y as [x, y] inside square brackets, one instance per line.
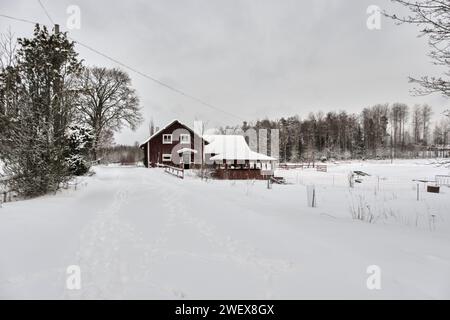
[56, 28]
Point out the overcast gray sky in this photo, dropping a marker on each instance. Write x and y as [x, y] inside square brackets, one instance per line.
[253, 58]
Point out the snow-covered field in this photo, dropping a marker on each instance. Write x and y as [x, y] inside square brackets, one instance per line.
[140, 233]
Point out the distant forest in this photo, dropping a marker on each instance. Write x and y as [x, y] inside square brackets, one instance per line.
[381, 131]
[123, 154]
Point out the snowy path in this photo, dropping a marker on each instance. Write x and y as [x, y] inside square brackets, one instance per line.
[140, 233]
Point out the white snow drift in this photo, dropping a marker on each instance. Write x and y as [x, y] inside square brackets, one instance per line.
[140, 233]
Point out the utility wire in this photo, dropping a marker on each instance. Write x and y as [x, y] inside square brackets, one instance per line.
[46, 12]
[19, 19]
[157, 80]
[161, 83]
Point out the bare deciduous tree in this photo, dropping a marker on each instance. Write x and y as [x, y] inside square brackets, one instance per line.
[8, 48]
[433, 18]
[426, 119]
[107, 102]
[417, 123]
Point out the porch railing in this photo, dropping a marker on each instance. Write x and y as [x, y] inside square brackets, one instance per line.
[177, 172]
[443, 180]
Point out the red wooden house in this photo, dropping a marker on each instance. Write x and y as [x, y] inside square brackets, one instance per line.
[174, 145]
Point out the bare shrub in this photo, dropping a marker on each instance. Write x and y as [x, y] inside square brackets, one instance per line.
[360, 209]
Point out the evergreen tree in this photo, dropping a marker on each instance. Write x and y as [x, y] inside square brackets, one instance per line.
[79, 143]
[41, 84]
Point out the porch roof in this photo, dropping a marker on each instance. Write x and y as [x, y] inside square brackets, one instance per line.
[187, 150]
[232, 147]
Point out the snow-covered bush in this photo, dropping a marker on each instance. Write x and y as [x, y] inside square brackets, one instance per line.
[77, 165]
[346, 155]
[79, 143]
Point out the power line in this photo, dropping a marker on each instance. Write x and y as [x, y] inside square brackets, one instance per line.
[19, 19]
[161, 83]
[46, 12]
[156, 80]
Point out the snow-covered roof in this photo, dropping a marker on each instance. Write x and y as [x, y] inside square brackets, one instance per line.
[162, 129]
[224, 147]
[187, 150]
[232, 147]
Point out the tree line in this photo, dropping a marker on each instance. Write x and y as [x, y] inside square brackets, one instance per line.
[379, 131]
[55, 112]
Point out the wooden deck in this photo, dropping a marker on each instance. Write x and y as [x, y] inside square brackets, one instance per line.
[238, 174]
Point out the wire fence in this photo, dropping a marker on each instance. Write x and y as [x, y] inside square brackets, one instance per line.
[343, 179]
[6, 192]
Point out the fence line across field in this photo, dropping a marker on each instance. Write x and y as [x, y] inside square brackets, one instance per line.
[311, 196]
[5, 192]
[340, 179]
[443, 180]
[296, 165]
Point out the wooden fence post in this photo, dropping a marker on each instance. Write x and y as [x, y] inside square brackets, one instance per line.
[417, 192]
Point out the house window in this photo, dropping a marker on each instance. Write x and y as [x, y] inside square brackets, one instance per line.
[166, 157]
[185, 138]
[167, 139]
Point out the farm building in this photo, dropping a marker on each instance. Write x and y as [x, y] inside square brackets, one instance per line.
[227, 156]
[231, 158]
